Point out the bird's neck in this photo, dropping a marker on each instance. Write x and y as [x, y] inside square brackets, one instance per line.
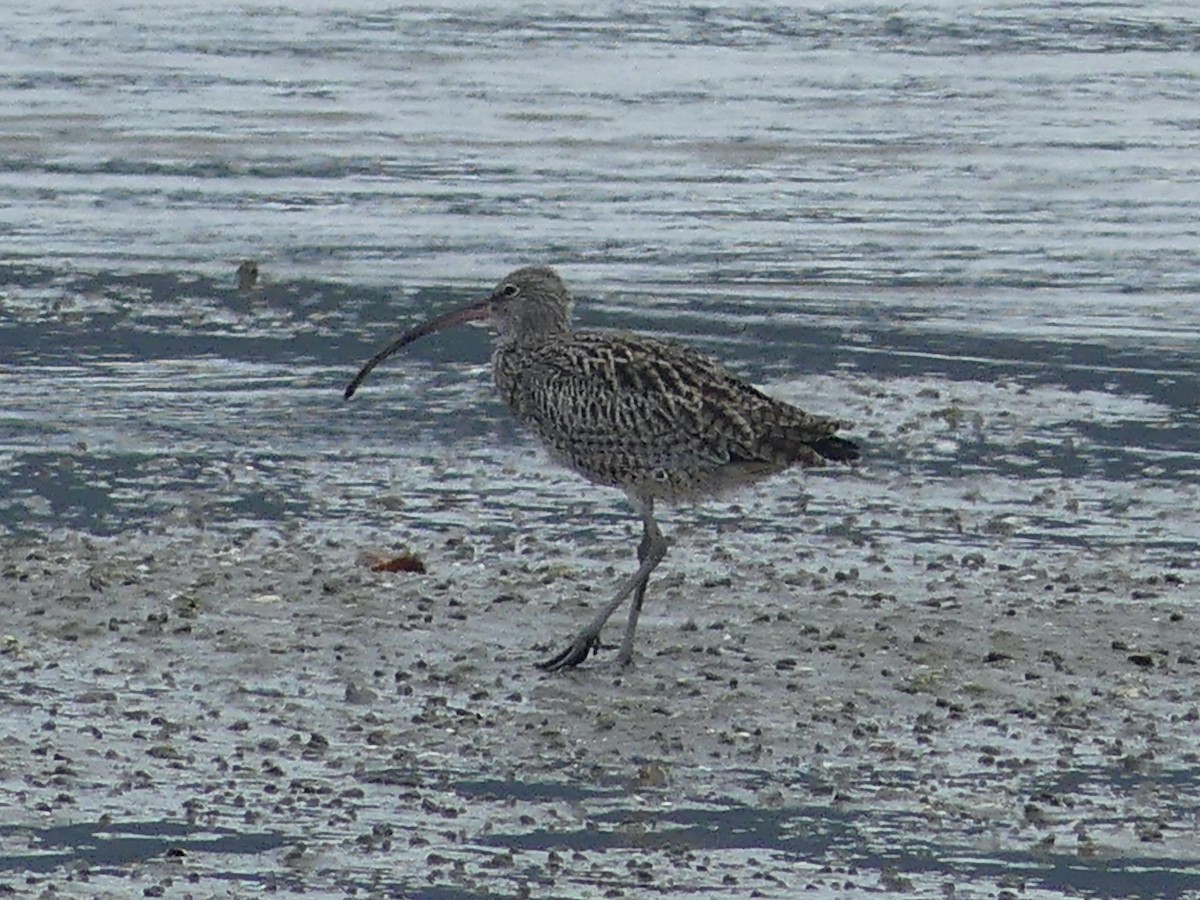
[532, 338]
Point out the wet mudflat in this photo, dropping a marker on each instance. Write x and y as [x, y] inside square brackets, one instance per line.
[879, 680]
[189, 711]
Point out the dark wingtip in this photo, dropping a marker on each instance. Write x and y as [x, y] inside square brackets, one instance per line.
[836, 449]
[349, 391]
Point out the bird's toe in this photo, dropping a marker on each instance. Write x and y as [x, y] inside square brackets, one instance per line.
[576, 653]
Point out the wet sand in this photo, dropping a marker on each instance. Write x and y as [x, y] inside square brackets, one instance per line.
[909, 698]
[955, 670]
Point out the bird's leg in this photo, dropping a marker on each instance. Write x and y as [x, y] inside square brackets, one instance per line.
[653, 544]
[650, 553]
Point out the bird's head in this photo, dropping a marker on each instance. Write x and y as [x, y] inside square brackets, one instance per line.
[530, 303]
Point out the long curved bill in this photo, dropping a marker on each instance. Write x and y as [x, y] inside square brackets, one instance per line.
[470, 313]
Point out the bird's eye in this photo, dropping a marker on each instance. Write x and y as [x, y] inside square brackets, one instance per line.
[510, 290]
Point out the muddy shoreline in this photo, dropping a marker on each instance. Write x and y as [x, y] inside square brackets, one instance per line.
[273, 712]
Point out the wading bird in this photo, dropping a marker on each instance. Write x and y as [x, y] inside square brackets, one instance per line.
[652, 417]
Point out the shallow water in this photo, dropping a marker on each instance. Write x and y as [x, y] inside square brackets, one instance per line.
[970, 232]
[963, 195]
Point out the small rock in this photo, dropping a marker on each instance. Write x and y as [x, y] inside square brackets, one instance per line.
[358, 695]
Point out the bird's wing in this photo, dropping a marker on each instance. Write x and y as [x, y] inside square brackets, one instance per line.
[662, 402]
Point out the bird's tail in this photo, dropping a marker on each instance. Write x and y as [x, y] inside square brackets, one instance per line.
[789, 436]
[836, 449]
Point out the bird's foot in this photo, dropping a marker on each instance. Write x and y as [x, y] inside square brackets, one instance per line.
[580, 648]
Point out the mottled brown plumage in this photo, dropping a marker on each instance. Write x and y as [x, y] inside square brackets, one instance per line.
[652, 417]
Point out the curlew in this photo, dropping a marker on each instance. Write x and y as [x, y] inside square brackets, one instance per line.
[657, 419]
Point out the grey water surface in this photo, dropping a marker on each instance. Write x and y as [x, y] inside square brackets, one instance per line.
[971, 192]
[945, 190]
